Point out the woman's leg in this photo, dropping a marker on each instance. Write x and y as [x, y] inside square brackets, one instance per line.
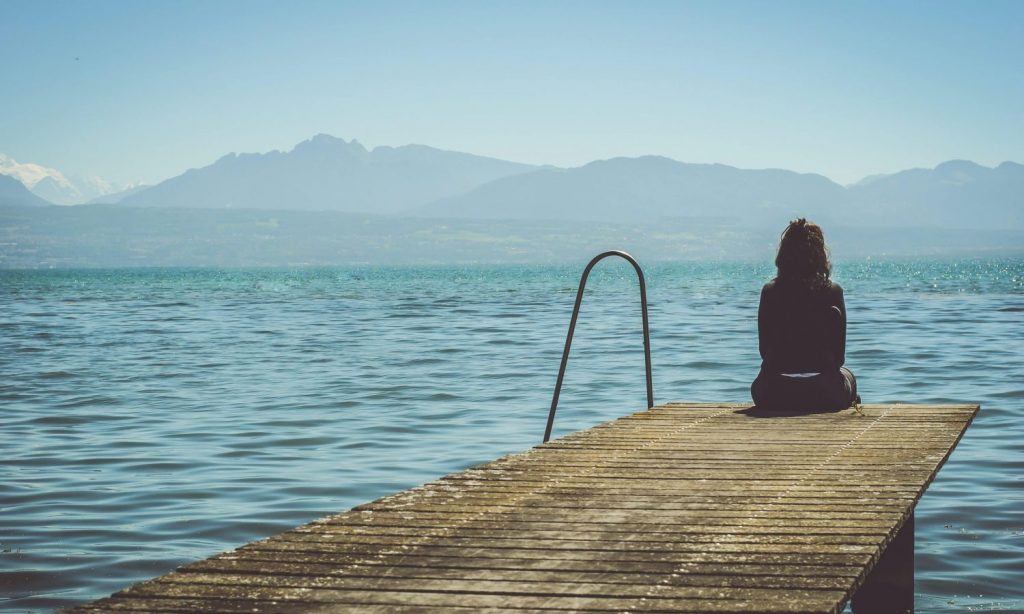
[758, 390]
[768, 392]
[851, 385]
[828, 391]
[775, 392]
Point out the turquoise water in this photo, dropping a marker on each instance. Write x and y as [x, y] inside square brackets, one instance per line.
[154, 417]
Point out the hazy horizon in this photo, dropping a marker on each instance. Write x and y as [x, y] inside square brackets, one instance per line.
[129, 93]
[738, 116]
[32, 169]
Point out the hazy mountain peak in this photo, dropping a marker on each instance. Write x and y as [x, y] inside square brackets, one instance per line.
[636, 162]
[325, 172]
[959, 166]
[647, 188]
[412, 147]
[325, 144]
[13, 193]
[960, 172]
[53, 185]
[116, 197]
[30, 174]
[954, 194]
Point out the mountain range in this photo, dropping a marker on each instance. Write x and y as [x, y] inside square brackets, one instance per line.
[55, 186]
[650, 187]
[955, 194]
[326, 173]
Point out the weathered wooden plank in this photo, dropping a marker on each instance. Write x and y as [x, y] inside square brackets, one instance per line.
[632, 543]
[357, 556]
[600, 537]
[177, 584]
[685, 507]
[585, 522]
[334, 565]
[416, 526]
[555, 550]
[485, 569]
[669, 597]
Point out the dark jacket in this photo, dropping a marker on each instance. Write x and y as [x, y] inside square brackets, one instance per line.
[801, 330]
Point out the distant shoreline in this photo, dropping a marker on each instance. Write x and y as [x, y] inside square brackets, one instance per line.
[114, 236]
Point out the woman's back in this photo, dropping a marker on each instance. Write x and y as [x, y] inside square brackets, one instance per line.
[801, 329]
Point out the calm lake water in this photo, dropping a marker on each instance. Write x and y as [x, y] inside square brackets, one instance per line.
[155, 417]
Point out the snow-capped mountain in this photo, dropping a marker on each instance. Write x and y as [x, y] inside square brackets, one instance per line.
[55, 186]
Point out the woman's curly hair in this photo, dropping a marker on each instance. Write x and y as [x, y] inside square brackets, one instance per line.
[803, 256]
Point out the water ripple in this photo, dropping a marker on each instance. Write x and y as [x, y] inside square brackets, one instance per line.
[154, 417]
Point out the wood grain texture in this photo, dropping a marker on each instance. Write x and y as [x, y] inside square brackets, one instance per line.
[686, 507]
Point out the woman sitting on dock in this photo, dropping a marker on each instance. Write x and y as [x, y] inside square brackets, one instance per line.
[801, 326]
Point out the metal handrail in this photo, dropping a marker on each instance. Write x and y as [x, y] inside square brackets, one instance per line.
[572, 327]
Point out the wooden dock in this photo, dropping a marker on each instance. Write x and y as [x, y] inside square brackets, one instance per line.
[686, 507]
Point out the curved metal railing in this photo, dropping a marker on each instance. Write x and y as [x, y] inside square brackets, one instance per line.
[572, 328]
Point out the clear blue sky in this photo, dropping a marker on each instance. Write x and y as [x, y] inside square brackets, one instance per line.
[144, 89]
